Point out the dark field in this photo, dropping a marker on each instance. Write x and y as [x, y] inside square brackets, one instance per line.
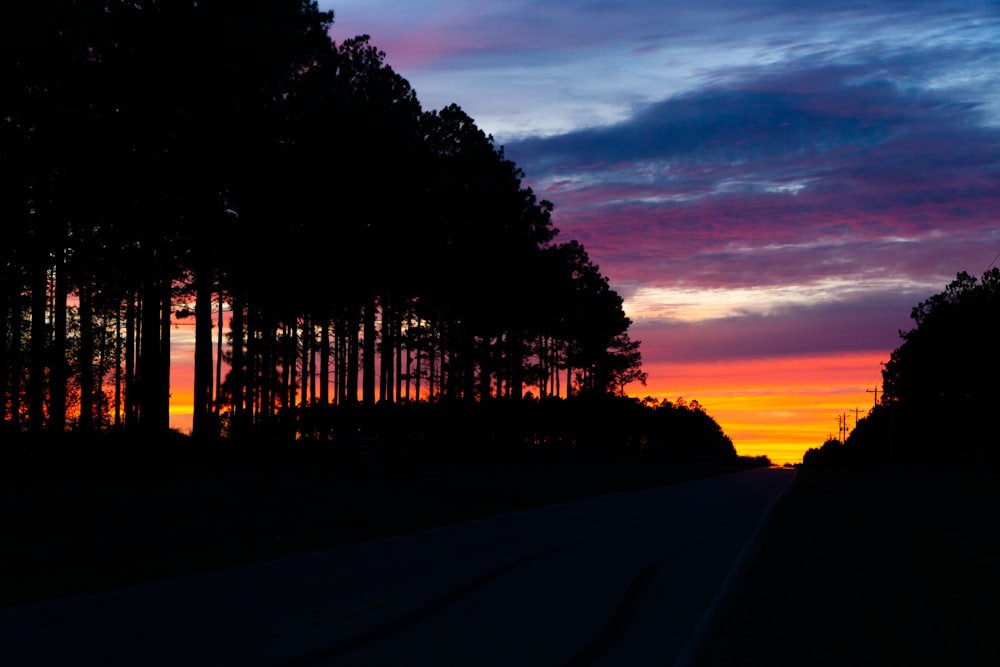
[82, 519]
[872, 566]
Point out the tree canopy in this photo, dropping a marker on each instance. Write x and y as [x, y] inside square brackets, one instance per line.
[944, 377]
[941, 395]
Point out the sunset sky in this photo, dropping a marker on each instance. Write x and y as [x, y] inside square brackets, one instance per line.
[771, 186]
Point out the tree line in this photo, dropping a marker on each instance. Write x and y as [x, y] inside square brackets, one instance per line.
[940, 395]
[170, 162]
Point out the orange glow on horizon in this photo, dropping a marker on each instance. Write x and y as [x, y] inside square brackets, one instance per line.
[779, 407]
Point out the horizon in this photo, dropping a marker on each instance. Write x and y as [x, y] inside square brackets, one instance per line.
[771, 419]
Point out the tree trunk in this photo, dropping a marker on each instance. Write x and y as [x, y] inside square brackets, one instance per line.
[147, 371]
[238, 371]
[324, 378]
[354, 347]
[516, 366]
[340, 361]
[397, 337]
[58, 365]
[107, 350]
[163, 368]
[10, 315]
[118, 366]
[304, 401]
[202, 422]
[485, 369]
[386, 364]
[39, 341]
[468, 365]
[368, 379]
[287, 397]
[431, 365]
[312, 363]
[324, 363]
[249, 392]
[153, 363]
[555, 369]
[217, 399]
[268, 356]
[409, 368]
[14, 360]
[86, 424]
[419, 371]
[133, 314]
[442, 345]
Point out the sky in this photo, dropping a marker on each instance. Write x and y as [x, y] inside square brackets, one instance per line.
[770, 186]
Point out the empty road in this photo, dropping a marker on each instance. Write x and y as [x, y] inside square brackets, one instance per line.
[617, 579]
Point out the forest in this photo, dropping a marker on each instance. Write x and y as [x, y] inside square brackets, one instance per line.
[228, 167]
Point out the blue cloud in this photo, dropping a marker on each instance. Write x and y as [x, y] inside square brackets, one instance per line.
[814, 109]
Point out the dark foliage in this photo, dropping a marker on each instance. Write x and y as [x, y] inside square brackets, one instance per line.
[941, 395]
[831, 453]
[941, 385]
[588, 425]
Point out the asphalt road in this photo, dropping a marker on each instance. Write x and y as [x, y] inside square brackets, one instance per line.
[620, 579]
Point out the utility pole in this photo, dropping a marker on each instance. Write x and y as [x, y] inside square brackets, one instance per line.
[875, 390]
[855, 417]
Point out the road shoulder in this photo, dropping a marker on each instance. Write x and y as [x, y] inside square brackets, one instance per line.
[895, 565]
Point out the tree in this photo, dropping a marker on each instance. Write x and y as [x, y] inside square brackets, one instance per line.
[625, 363]
[832, 452]
[585, 313]
[944, 375]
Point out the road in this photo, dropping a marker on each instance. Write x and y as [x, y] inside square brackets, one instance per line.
[618, 579]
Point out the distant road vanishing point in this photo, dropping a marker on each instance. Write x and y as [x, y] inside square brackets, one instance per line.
[621, 579]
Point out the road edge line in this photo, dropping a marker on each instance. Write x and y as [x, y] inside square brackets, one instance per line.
[694, 646]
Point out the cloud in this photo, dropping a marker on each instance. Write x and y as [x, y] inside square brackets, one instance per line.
[809, 171]
[486, 31]
[549, 67]
[772, 118]
[754, 178]
[872, 323]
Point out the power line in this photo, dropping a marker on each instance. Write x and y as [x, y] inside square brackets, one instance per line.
[993, 262]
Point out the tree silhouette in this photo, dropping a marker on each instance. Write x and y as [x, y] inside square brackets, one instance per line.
[943, 376]
[940, 394]
[587, 316]
[142, 144]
